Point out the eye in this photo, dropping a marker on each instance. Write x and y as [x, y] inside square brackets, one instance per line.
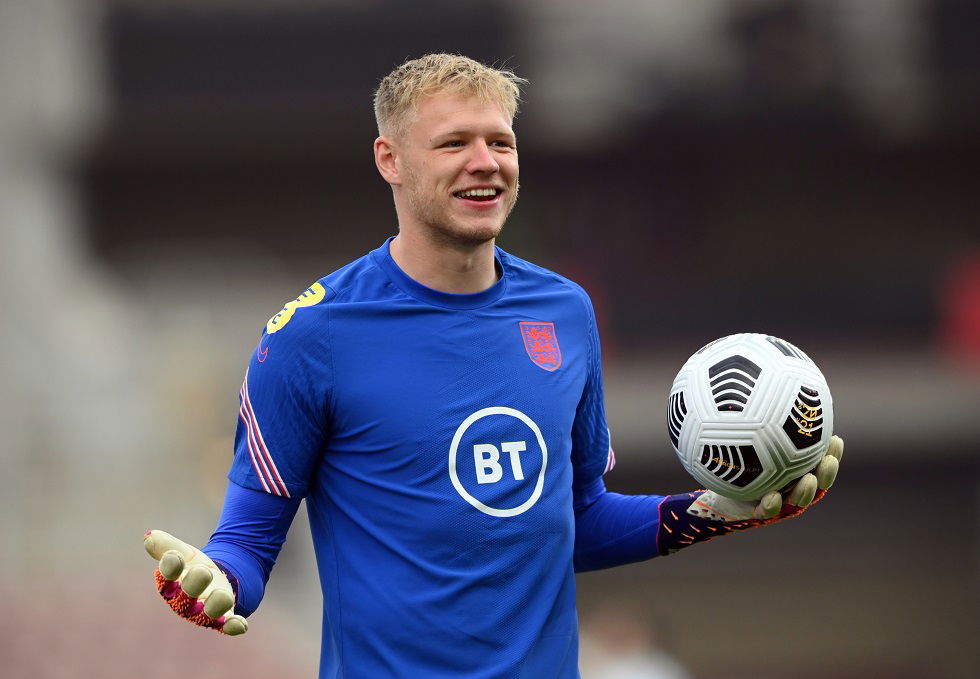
[501, 143]
[453, 144]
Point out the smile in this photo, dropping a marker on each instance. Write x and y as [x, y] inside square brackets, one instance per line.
[481, 195]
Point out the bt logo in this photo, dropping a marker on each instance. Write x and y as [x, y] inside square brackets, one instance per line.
[487, 460]
[491, 460]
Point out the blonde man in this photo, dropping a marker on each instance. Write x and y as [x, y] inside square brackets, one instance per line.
[438, 402]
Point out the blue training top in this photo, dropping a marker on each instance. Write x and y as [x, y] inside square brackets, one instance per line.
[437, 439]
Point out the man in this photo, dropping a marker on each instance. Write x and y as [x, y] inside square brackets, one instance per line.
[439, 404]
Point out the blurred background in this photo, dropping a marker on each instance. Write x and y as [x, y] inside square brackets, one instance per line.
[171, 172]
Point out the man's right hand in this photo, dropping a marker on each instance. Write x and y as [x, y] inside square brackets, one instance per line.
[193, 585]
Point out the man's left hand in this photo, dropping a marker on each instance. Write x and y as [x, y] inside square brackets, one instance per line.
[695, 517]
[775, 505]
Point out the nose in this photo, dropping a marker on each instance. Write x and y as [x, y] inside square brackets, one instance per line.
[482, 159]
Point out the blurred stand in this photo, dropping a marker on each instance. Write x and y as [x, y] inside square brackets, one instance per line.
[90, 451]
[621, 640]
[73, 410]
[172, 171]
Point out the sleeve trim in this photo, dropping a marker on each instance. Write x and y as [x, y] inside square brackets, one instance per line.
[611, 459]
[265, 467]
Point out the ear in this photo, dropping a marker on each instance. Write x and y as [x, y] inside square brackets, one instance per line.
[386, 160]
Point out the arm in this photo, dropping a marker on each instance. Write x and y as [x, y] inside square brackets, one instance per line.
[244, 546]
[282, 424]
[613, 529]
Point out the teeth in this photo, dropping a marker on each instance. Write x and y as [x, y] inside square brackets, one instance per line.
[477, 192]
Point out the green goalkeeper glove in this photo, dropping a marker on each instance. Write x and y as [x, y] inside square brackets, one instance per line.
[192, 585]
[688, 518]
[775, 505]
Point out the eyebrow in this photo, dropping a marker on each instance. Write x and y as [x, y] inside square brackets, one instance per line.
[466, 133]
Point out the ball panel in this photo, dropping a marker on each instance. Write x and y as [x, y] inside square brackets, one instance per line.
[676, 412]
[805, 419]
[732, 380]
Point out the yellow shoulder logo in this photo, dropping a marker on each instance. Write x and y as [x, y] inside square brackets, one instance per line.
[312, 295]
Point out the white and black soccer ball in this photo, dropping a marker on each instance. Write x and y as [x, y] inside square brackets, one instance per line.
[749, 413]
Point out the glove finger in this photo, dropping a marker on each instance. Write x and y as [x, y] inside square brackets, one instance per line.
[171, 565]
[826, 472]
[235, 625]
[196, 581]
[770, 504]
[804, 491]
[836, 448]
[157, 542]
[218, 604]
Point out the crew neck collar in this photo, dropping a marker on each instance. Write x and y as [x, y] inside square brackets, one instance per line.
[411, 287]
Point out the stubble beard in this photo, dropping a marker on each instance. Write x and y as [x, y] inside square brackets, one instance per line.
[443, 229]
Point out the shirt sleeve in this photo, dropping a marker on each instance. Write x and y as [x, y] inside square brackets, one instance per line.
[592, 454]
[613, 529]
[250, 533]
[284, 402]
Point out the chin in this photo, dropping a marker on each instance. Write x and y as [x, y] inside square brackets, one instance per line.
[473, 235]
[465, 235]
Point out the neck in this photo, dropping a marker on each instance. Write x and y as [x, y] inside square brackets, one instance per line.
[456, 269]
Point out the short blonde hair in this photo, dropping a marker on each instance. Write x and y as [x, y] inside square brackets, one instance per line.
[399, 92]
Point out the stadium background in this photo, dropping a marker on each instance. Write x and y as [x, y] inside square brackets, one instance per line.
[171, 172]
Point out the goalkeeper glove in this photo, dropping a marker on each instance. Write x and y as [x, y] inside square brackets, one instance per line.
[688, 518]
[193, 585]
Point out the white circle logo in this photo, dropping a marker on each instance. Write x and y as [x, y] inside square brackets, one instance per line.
[538, 487]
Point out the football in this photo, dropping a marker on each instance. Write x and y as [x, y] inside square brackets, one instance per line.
[749, 413]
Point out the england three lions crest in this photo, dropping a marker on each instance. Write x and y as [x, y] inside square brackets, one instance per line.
[541, 343]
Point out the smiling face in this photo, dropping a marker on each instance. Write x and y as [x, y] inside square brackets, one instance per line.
[453, 169]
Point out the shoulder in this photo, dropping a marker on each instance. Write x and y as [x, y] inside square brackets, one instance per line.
[361, 280]
[306, 318]
[528, 278]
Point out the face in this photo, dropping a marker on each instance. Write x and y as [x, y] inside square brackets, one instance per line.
[456, 170]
